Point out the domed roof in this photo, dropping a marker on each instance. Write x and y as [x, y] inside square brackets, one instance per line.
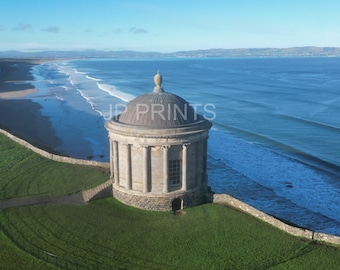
[158, 109]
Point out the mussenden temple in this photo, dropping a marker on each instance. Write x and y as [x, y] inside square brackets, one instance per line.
[158, 152]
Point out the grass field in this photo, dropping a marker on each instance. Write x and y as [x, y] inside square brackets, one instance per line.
[24, 173]
[106, 234]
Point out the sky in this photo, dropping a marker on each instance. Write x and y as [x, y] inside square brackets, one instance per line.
[167, 26]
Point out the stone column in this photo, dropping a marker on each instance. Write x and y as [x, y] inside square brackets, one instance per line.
[184, 165]
[165, 168]
[128, 166]
[205, 159]
[145, 169]
[115, 163]
[111, 158]
[199, 162]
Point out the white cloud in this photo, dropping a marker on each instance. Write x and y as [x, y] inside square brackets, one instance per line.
[51, 29]
[136, 30]
[117, 31]
[22, 27]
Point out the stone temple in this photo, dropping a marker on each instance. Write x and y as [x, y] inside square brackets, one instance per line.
[158, 152]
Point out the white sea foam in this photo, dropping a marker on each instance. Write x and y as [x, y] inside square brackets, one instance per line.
[310, 189]
[92, 78]
[71, 81]
[113, 91]
[59, 97]
[90, 101]
[94, 93]
[78, 72]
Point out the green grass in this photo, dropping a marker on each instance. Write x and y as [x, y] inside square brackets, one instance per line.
[106, 234]
[24, 173]
[11, 257]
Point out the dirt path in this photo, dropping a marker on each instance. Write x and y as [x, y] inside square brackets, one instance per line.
[73, 199]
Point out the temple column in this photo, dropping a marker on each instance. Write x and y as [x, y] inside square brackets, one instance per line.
[165, 169]
[111, 158]
[199, 162]
[128, 166]
[205, 158]
[145, 169]
[115, 163]
[184, 165]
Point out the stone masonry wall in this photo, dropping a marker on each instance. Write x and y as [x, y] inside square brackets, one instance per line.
[159, 203]
[98, 192]
[53, 156]
[229, 200]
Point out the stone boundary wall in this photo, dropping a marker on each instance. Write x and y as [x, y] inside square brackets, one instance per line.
[53, 156]
[106, 190]
[305, 233]
[101, 191]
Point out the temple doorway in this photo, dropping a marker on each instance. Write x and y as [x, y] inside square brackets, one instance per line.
[177, 204]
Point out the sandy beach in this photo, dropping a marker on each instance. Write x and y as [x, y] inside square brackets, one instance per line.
[22, 117]
[15, 76]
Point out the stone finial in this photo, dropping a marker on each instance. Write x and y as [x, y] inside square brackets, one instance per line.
[158, 82]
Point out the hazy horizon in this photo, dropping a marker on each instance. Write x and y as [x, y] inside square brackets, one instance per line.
[198, 49]
[166, 27]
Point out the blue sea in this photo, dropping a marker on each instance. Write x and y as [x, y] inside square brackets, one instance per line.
[275, 141]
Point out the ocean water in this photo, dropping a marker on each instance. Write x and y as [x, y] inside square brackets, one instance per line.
[275, 141]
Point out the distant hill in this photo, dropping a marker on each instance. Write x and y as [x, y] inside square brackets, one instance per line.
[264, 52]
[245, 52]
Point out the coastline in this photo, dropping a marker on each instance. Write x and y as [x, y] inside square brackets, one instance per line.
[81, 130]
[22, 117]
[15, 76]
[17, 94]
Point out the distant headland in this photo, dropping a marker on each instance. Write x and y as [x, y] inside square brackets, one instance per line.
[308, 51]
